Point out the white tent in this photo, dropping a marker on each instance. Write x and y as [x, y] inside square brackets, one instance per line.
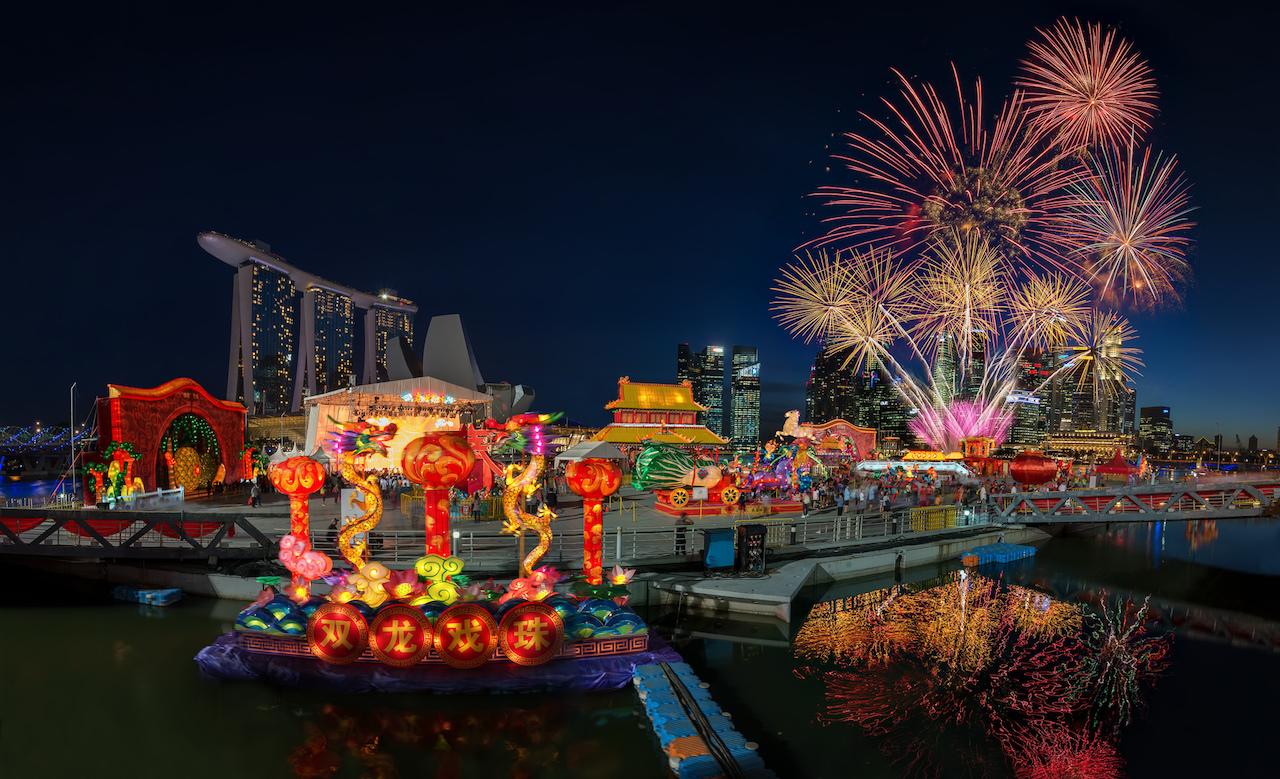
[322, 457]
[589, 449]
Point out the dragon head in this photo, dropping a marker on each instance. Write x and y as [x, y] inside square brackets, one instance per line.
[365, 437]
[524, 433]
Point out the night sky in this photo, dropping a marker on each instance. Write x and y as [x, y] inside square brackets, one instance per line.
[587, 187]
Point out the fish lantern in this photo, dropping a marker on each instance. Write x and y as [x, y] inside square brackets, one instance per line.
[438, 461]
[1030, 468]
[594, 479]
[298, 477]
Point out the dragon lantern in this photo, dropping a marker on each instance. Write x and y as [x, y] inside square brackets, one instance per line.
[352, 443]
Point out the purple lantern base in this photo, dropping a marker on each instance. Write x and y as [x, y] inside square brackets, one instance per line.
[226, 659]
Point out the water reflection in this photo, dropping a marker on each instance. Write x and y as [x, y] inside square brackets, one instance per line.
[965, 672]
[452, 740]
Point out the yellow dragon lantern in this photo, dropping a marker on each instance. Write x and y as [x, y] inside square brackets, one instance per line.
[352, 443]
[524, 434]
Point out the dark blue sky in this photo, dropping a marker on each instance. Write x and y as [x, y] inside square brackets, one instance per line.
[587, 186]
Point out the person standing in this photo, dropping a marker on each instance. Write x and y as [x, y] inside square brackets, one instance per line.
[804, 503]
[255, 495]
[839, 502]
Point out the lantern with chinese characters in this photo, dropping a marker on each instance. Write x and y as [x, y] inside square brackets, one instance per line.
[438, 461]
[465, 635]
[298, 477]
[531, 634]
[594, 479]
[337, 633]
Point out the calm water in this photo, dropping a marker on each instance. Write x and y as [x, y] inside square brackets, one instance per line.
[97, 688]
[890, 686]
[30, 488]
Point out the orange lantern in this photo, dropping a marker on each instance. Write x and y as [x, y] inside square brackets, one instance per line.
[298, 477]
[594, 479]
[437, 461]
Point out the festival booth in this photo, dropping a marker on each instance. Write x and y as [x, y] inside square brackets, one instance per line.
[173, 435]
[431, 628]
[1117, 468]
[414, 407]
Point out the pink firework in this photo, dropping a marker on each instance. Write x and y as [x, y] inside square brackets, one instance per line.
[1086, 86]
[1132, 228]
[932, 169]
[944, 427]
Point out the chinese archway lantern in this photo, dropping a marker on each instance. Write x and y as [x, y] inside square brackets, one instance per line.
[1031, 468]
[594, 479]
[437, 461]
[298, 477]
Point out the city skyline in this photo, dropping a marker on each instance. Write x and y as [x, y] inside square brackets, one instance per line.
[733, 222]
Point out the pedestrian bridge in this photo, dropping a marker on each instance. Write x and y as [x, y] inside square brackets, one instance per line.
[1155, 502]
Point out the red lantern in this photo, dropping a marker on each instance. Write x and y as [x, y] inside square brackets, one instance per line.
[298, 477]
[594, 479]
[437, 461]
[1031, 468]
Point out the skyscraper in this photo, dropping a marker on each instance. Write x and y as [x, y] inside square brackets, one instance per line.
[293, 333]
[946, 376]
[686, 365]
[709, 389]
[879, 405]
[1155, 430]
[744, 398]
[831, 392]
[334, 328]
[273, 311]
[1030, 412]
[390, 321]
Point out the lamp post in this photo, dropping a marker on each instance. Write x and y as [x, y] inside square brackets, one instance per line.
[298, 477]
[73, 440]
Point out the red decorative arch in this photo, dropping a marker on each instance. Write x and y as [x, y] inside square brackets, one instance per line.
[141, 416]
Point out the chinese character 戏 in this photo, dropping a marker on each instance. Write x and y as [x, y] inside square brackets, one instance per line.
[465, 635]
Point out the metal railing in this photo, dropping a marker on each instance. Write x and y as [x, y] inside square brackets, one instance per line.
[181, 535]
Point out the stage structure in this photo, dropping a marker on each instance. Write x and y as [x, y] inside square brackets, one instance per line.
[416, 406]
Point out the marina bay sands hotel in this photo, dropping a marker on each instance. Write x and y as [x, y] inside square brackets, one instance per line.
[293, 333]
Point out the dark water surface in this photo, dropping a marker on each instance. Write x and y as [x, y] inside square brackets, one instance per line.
[95, 688]
[1209, 712]
[90, 687]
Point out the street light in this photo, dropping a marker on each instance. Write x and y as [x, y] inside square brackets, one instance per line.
[73, 440]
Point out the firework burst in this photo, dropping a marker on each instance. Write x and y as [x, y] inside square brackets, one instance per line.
[1131, 226]
[1086, 86]
[813, 295]
[960, 295]
[855, 304]
[1102, 356]
[1046, 310]
[932, 168]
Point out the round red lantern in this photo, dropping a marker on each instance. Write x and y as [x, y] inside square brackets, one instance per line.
[298, 477]
[594, 479]
[1031, 468]
[437, 461]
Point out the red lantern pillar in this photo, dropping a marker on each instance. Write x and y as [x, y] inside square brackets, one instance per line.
[594, 479]
[438, 461]
[298, 477]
